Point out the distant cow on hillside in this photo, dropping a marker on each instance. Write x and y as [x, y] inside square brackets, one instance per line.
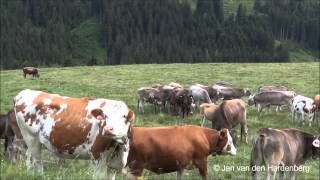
[31, 71]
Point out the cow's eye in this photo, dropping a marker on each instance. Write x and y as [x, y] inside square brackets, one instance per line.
[124, 116]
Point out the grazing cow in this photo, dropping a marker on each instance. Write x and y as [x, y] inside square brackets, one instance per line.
[31, 71]
[170, 149]
[200, 95]
[7, 134]
[213, 93]
[150, 95]
[95, 129]
[269, 98]
[282, 148]
[229, 92]
[316, 101]
[272, 88]
[226, 115]
[181, 101]
[304, 106]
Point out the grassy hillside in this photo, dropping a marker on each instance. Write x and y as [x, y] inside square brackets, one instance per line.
[121, 83]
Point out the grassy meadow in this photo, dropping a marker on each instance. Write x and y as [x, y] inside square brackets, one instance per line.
[122, 82]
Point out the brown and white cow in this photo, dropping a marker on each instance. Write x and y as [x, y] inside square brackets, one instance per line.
[95, 129]
[31, 71]
[228, 115]
[172, 149]
[277, 148]
[305, 107]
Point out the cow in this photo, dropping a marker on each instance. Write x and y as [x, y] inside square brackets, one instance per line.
[228, 115]
[173, 148]
[31, 71]
[7, 134]
[230, 92]
[279, 148]
[213, 93]
[316, 101]
[265, 88]
[199, 95]
[269, 98]
[304, 106]
[181, 101]
[96, 129]
[10, 131]
[150, 95]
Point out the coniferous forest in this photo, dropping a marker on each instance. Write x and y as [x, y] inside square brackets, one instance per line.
[110, 32]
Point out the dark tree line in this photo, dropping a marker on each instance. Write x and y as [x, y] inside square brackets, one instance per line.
[40, 32]
[297, 20]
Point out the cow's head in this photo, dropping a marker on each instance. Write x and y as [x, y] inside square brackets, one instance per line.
[225, 143]
[251, 100]
[115, 122]
[246, 91]
[316, 147]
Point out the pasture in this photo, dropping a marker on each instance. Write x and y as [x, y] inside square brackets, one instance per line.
[122, 82]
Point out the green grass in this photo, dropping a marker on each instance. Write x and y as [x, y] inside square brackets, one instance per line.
[122, 82]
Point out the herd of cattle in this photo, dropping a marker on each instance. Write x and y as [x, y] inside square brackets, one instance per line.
[102, 130]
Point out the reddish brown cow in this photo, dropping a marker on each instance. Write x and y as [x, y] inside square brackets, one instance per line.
[170, 149]
[31, 71]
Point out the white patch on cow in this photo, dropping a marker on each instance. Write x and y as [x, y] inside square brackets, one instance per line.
[47, 101]
[316, 143]
[233, 150]
[62, 108]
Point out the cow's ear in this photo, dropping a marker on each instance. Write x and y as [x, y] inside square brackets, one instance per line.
[98, 113]
[131, 116]
[316, 143]
[224, 133]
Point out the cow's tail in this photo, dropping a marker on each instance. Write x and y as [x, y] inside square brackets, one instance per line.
[257, 153]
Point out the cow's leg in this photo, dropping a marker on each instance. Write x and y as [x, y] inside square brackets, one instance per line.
[291, 175]
[33, 154]
[179, 174]
[281, 173]
[11, 150]
[136, 168]
[141, 105]
[244, 132]
[311, 119]
[203, 122]
[201, 164]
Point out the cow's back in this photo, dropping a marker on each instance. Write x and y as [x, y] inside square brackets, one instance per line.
[234, 112]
